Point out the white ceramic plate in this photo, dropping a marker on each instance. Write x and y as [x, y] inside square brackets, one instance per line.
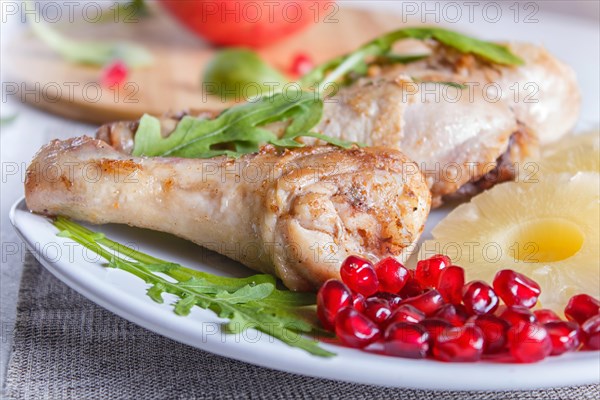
[124, 294]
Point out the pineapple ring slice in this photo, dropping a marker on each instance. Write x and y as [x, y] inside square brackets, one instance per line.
[547, 230]
[573, 153]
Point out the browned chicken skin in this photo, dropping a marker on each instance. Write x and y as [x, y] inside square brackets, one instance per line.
[296, 214]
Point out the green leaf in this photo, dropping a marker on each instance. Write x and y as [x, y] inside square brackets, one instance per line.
[237, 130]
[193, 137]
[285, 299]
[452, 84]
[155, 292]
[337, 68]
[91, 52]
[392, 58]
[161, 267]
[5, 121]
[246, 318]
[246, 294]
[237, 324]
[214, 286]
[240, 73]
[64, 233]
[251, 302]
[184, 306]
[493, 52]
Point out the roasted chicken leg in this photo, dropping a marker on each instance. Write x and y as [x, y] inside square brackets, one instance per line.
[296, 214]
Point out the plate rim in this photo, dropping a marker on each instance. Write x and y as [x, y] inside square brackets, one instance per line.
[317, 367]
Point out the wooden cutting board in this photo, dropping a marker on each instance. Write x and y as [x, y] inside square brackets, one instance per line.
[173, 82]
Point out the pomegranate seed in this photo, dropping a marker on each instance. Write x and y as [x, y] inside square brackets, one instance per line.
[114, 73]
[459, 344]
[517, 315]
[407, 340]
[378, 310]
[529, 343]
[412, 287]
[406, 313]
[428, 302]
[332, 297]
[479, 298]
[516, 289]
[393, 299]
[354, 329]
[451, 282]
[301, 64]
[591, 332]
[545, 315]
[456, 316]
[391, 274]
[494, 332]
[358, 302]
[359, 275]
[428, 271]
[582, 307]
[435, 327]
[563, 335]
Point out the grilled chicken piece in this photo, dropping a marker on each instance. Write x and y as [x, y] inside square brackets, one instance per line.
[464, 140]
[453, 142]
[296, 214]
[543, 93]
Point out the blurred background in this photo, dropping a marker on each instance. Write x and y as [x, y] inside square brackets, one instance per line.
[99, 61]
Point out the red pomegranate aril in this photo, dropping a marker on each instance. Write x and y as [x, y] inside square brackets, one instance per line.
[516, 289]
[479, 298]
[435, 327]
[412, 287]
[354, 329]
[359, 275]
[450, 313]
[529, 343]
[428, 302]
[377, 310]
[545, 315]
[114, 73]
[391, 274]
[301, 64]
[393, 299]
[358, 302]
[582, 307]
[331, 298]
[459, 344]
[563, 335]
[406, 313]
[591, 333]
[428, 271]
[403, 339]
[518, 315]
[450, 284]
[494, 332]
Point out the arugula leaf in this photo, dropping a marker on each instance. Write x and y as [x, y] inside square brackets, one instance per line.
[447, 83]
[91, 52]
[392, 58]
[252, 302]
[237, 130]
[4, 121]
[337, 68]
[247, 293]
